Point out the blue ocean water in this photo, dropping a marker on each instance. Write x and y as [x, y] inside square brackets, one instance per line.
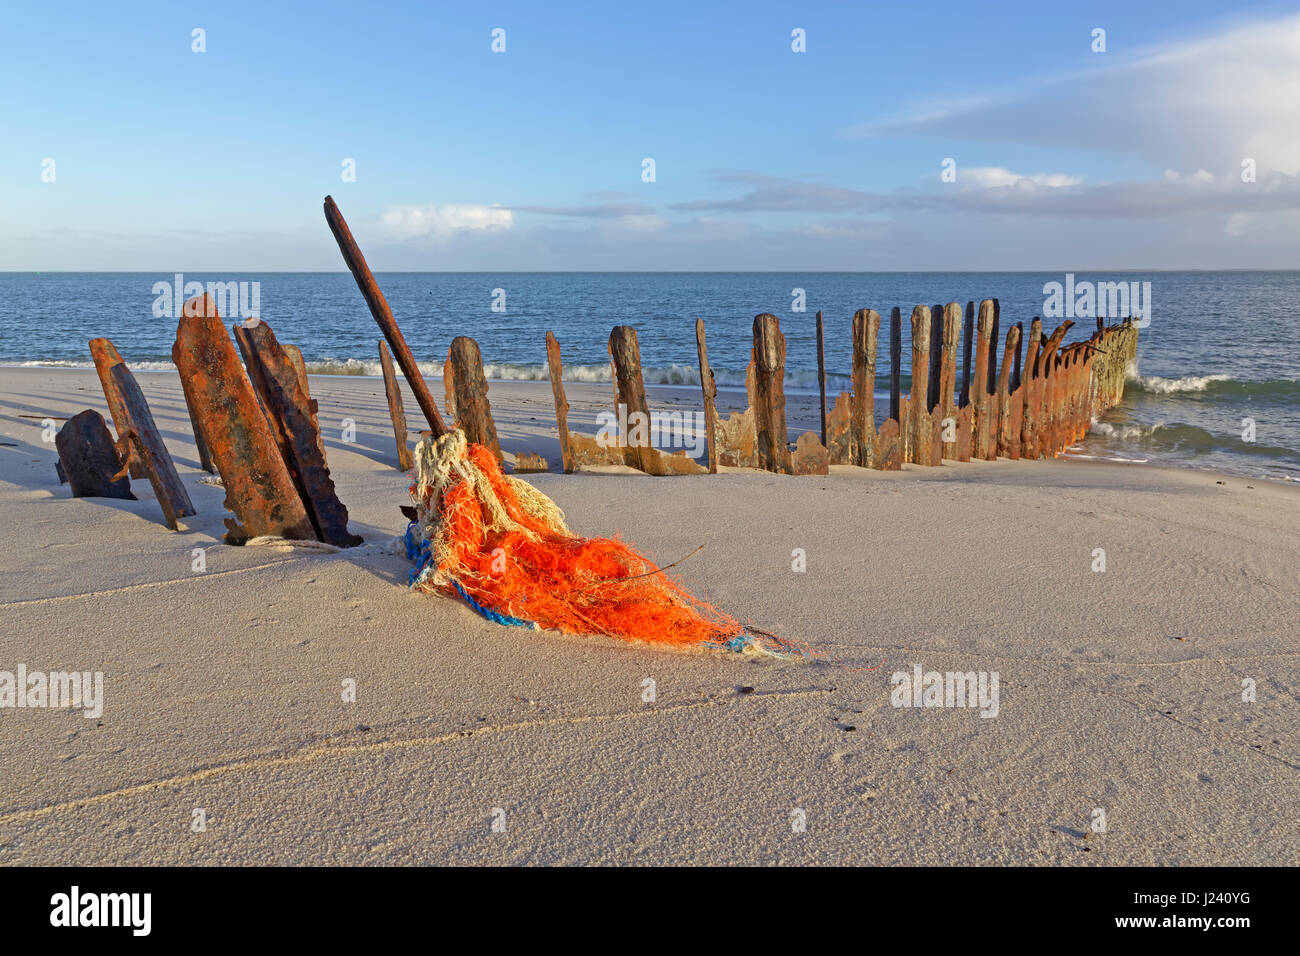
[1221, 350]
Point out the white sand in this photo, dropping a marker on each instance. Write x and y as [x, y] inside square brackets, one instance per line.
[1119, 690]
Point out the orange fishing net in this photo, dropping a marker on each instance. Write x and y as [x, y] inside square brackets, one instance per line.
[503, 546]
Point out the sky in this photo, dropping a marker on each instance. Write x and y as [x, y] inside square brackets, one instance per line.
[929, 136]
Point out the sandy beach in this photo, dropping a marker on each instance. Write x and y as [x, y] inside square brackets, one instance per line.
[1120, 691]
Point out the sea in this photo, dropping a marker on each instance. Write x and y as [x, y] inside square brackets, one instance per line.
[1217, 383]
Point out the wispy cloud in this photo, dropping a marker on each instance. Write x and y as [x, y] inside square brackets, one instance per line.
[436, 221]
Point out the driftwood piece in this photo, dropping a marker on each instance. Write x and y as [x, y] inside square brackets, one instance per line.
[810, 456]
[473, 414]
[383, 316]
[88, 460]
[393, 392]
[918, 436]
[158, 467]
[1004, 432]
[530, 463]
[288, 411]
[866, 329]
[259, 489]
[768, 396]
[710, 390]
[106, 357]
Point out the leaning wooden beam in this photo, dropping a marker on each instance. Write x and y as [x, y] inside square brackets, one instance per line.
[383, 316]
[288, 410]
[259, 489]
[393, 392]
[768, 398]
[473, 410]
[105, 357]
[866, 329]
[159, 468]
[710, 390]
[88, 459]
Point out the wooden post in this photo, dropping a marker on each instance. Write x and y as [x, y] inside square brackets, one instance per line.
[768, 399]
[710, 390]
[1029, 413]
[89, 459]
[895, 363]
[932, 395]
[258, 487]
[105, 357]
[919, 433]
[1048, 445]
[866, 329]
[556, 368]
[288, 410]
[629, 392]
[968, 333]
[294, 355]
[473, 410]
[947, 378]
[821, 371]
[200, 442]
[383, 315]
[979, 393]
[1004, 438]
[993, 348]
[396, 412]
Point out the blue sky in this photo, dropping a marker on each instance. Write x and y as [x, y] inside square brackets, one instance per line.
[170, 160]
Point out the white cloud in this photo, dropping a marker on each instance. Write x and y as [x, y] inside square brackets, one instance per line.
[441, 221]
[993, 177]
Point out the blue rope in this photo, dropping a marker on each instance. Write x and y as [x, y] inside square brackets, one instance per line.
[417, 551]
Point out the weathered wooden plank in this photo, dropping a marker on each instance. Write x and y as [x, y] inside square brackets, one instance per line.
[200, 441]
[821, 371]
[895, 363]
[889, 446]
[160, 469]
[709, 389]
[993, 348]
[968, 346]
[918, 435]
[393, 392]
[839, 427]
[89, 460]
[259, 489]
[933, 396]
[1029, 392]
[1004, 436]
[768, 398]
[473, 410]
[383, 315]
[979, 393]
[866, 329]
[1015, 373]
[556, 368]
[625, 351]
[289, 413]
[105, 357]
[950, 330]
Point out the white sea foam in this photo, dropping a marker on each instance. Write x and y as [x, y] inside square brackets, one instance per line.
[1168, 386]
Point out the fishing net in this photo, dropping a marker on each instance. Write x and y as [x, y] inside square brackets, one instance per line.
[503, 547]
